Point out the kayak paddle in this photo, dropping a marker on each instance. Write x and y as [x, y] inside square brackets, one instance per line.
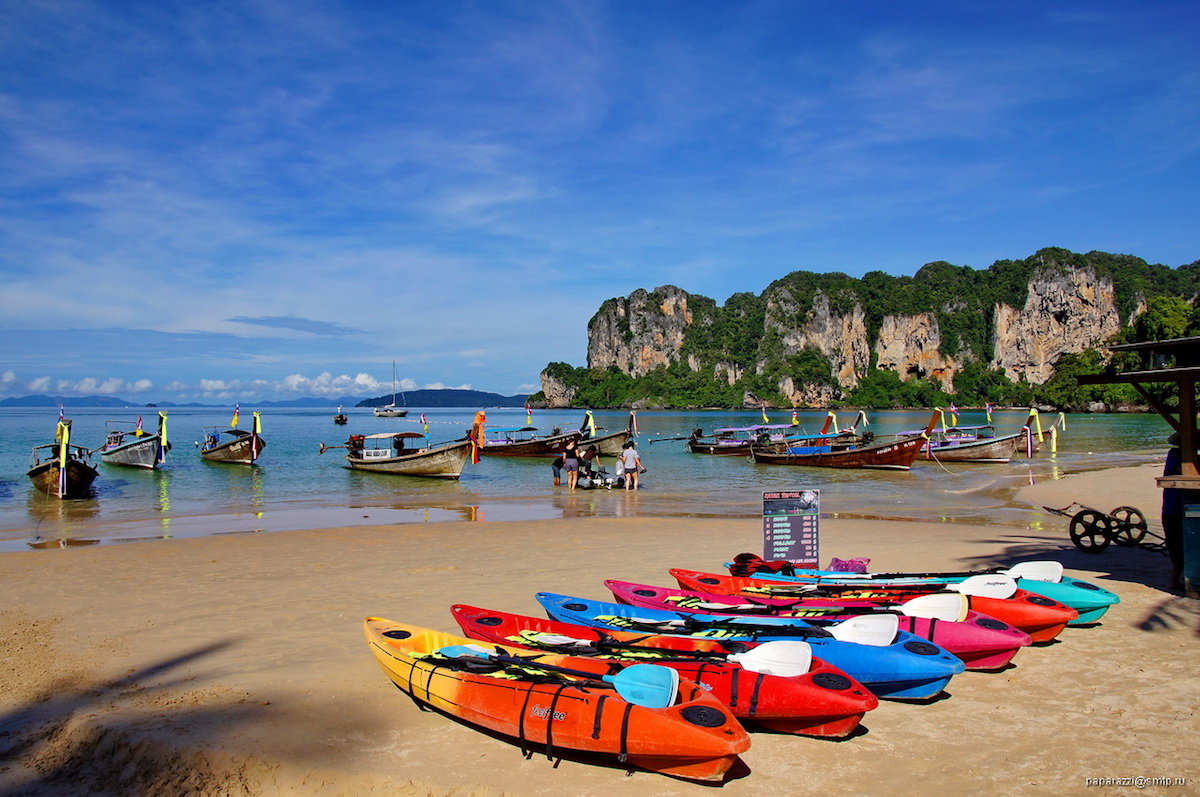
[877, 630]
[993, 586]
[950, 606]
[784, 657]
[646, 685]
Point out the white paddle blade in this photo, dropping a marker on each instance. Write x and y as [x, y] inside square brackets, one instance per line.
[949, 606]
[561, 640]
[877, 630]
[1037, 571]
[990, 586]
[784, 657]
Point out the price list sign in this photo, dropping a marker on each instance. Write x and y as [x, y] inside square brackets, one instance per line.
[791, 526]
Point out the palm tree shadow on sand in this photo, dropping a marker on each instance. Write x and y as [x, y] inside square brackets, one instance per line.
[72, 739]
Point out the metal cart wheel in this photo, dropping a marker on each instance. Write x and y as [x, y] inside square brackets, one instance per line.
[1129, 525]
[1091, 531]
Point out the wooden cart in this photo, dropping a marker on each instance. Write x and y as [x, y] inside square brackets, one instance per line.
[1092, 530]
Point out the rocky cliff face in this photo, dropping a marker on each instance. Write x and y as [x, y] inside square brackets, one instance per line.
[1065, 313]
[1068, 309]
[909, 344]
[840, 337]
[640, 333]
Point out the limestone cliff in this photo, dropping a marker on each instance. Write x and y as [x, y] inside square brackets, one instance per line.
[640, 333]
[910, 346]
[1067, 311]
[810, 338]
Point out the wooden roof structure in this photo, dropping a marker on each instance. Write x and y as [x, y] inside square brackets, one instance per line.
[1186, 374]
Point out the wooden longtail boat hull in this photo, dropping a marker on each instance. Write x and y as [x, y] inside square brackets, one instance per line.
[696, 738]
[995, 449]
[442, 462]
[898, 455]
[550, 446]
[609, 445]
[240, 451]
[823, 702]
[141, 453]
[78, 483]
[729, 448]
[982, 642]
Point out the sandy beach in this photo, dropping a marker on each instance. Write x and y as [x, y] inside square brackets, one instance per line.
[235, 664]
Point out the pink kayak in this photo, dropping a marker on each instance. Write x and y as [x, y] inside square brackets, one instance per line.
[982, 642]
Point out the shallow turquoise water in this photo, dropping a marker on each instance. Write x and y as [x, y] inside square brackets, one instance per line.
[294, 487]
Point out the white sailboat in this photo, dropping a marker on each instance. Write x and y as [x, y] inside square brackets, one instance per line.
[391, 410]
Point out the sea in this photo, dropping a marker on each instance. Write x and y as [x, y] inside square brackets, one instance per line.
[294, 486]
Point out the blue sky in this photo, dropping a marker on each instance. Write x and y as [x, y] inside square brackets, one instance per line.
[266, 199]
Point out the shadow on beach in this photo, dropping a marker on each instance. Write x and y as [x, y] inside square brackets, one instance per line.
[1130, 564]
[74, 738]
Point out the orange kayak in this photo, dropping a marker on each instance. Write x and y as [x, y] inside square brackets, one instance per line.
[694, 738]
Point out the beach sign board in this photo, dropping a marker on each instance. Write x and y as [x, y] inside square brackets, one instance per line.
[791, 526]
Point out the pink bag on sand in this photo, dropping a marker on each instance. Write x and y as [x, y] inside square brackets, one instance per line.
[856, 565]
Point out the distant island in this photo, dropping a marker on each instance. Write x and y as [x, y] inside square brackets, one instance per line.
[417, 398]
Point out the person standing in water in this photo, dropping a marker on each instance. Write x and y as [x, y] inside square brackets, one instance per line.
[632, 463]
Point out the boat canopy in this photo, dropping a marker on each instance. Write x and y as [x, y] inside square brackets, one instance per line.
[756, 428]
[392, 435]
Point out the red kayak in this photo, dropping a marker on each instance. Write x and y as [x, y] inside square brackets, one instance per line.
[822, 701]
[1040, 617]
[982, 642]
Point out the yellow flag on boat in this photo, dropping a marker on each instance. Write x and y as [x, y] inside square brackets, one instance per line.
[163, 445]
[62, 436]
[528, 415]
[795, 419]
[764, 414]
[988, 407]
[589, 422]
[424, 424]
[237, 414]
[1037, 419]
[257, 423]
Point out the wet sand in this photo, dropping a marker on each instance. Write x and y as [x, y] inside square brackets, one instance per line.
[235, 664]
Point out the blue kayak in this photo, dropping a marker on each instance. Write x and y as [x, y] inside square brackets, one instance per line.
[905, 668]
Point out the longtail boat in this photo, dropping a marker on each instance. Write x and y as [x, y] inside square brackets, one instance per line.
[846, 449]
[525, 441]
[233, 445]
[391, 452]
[61, 469]
[125, 443]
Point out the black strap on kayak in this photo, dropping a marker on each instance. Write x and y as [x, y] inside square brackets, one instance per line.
[932, 625]
[624, 755]
[733, 688]
[758, 682]
[597, 716]
[521, 725]
[550, 722]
